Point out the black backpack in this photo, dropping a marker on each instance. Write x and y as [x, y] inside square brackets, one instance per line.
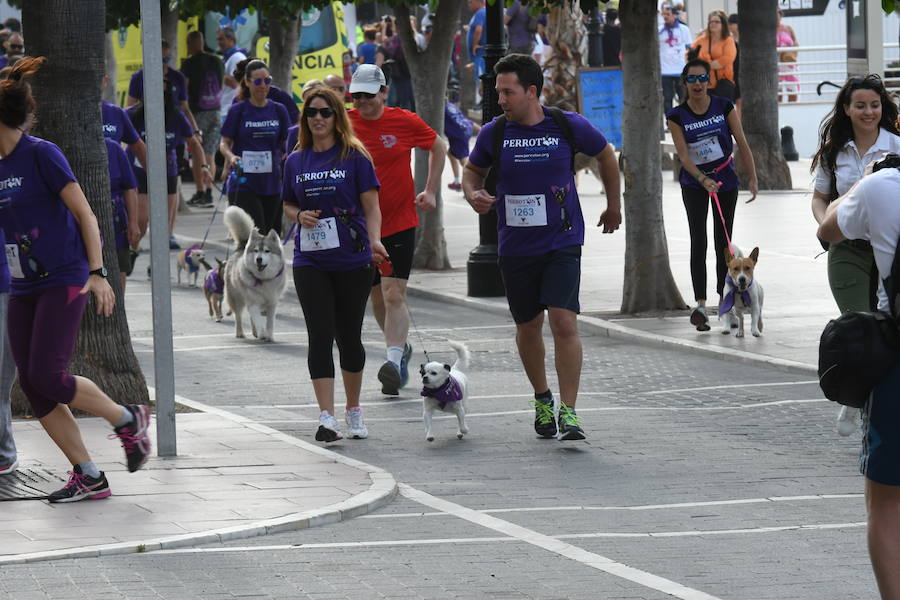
[490, 183]
[859, 349]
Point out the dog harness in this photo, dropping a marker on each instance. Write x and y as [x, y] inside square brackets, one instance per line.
[191, 265]
[729, 297]
[213, 283]
[451, 391]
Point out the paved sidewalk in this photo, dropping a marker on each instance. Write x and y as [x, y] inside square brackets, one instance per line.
[231, 479]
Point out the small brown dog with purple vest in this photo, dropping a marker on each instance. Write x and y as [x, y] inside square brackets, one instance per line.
[743, 293]
[214, 289]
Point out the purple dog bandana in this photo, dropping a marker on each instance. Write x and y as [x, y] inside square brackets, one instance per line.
[451, 391]
[729, 297]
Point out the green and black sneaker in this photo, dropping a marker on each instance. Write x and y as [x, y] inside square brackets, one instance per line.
[545, 417]
[569, 424]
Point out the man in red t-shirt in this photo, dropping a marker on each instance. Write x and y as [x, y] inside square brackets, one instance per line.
[389, 135]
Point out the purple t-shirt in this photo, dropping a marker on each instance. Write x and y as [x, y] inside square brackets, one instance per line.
[322, 181]
[258, 134]
[709, 141]
[43, 241]
[536, 183]
[4, 268]
[121, 178]
[293, 135]
[176, 131]
[283, 98]
[116, 124]
[175, 77]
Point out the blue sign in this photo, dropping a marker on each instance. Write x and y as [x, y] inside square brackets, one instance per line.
[600, 95]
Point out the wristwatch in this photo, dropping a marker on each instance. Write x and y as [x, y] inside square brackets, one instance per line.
[102, 272]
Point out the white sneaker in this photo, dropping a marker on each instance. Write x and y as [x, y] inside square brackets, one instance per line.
[846, 421]
[328, 431]
[356, 428]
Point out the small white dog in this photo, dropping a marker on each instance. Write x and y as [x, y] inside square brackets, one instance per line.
[742, 293]
[254, 275]
[445, 388]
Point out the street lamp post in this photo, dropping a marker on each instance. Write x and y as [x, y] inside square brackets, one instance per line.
[483, 272]
[595, 37]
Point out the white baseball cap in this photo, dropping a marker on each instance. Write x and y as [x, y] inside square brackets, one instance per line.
[368, 79]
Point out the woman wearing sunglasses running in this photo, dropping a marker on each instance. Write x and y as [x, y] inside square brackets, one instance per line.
[860, 129]
[702, 129]
[252, 143]
[331, 190]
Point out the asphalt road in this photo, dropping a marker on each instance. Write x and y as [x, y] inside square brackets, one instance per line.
[700, 478]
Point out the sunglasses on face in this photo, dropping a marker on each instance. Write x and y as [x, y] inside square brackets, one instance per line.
[16, 47]
[261, 81]
[366, 95]
[704, 78]
[325, 113]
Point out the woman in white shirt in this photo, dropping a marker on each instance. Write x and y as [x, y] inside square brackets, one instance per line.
[861, 128]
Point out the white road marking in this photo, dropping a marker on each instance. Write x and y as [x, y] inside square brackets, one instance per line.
[482, 540]
[556, 546]
[638, 507]
[581, 410]
[303, 332]
[526, 393]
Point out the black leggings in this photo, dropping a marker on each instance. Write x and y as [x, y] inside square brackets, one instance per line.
[334, 304]
[697, 203]
[264, 210]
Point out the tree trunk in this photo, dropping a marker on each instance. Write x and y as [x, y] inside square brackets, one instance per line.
[70, 33]
[649, 285]
[759, 89]
[110, 68]
[284, 38]
[429, 70]
[568, 38]
[169, 26]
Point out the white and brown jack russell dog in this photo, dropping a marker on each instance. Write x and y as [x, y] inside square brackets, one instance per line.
[742, 293]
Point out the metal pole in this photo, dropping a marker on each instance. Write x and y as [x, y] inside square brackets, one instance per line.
[595, 38]
[155, 125]
[482, 270]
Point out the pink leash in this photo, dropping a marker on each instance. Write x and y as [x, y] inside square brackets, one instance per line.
[715, 197]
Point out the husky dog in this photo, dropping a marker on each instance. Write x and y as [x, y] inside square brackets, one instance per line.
[446, 388]
[254, 276]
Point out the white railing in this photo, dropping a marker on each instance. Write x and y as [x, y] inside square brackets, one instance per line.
[816, 64]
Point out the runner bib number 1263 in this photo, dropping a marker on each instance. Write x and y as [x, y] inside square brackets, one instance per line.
[528, 210]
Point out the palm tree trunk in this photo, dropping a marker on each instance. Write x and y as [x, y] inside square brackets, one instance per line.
[649, 285]
[428, 69]
[759, 89]
[568, 38]
[70, 33]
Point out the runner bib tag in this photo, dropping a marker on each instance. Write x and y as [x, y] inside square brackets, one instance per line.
[257, 161]
[525, 210]
[323, 236]
[12, 257]
[705, 151]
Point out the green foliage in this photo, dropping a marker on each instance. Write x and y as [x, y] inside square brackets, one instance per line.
[890, 6]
